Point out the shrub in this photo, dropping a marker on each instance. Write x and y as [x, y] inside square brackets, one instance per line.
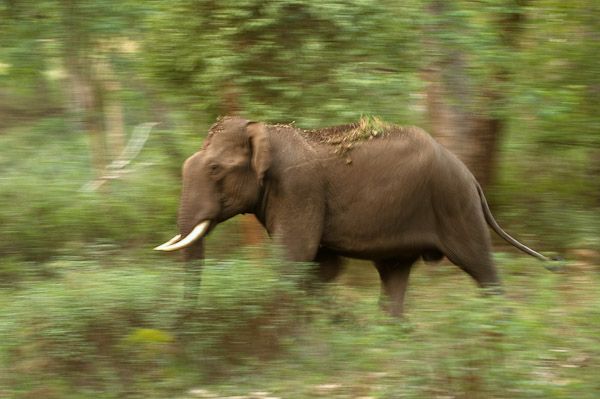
[107, 329]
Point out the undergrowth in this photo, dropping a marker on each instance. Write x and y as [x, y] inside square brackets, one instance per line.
[124, 330]
[117, 328]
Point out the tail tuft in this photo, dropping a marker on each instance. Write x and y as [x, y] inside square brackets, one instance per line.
[556, 264]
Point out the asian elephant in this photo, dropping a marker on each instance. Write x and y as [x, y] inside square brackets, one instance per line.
[367, 190]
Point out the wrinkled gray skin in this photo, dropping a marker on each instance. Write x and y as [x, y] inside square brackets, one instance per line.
[402, 197]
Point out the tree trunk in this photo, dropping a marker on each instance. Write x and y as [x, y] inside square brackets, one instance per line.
[92, 122]
[85, 93]
[594, 172]
[471, 136]
[113, 110]
[252, 231]
[458, 110]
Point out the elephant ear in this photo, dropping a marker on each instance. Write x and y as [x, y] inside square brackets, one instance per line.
[261, 149]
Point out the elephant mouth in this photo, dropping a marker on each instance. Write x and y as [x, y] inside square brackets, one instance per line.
[177, 242]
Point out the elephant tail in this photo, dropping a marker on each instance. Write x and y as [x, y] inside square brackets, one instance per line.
[489, 218]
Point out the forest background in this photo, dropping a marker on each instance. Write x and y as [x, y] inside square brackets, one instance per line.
[101, 101]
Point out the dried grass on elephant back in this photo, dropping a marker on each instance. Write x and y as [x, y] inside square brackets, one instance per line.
[344, 137]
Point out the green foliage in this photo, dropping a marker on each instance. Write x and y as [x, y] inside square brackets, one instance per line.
[118, 326]
[44, 211]
[88, 311]
[538, 341]
[277, 58]
[114, 329]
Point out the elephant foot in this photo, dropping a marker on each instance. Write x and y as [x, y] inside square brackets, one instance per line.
[391, 308]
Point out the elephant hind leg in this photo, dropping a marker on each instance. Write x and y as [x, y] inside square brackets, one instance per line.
[465, 240]
[474, 257]
[394, 275]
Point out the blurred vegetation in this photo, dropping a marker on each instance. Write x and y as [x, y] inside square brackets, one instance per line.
[113, 327]
[85, 308]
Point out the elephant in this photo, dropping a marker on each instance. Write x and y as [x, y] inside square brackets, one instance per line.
[367, 190]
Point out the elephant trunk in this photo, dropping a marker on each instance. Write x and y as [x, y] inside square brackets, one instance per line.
[194, 257]
[193, 251]
[191, 229]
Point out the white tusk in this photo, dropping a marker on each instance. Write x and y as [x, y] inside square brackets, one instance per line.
[198, 232]
[171, 241]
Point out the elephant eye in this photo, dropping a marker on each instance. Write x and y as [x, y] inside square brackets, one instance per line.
[214, 168]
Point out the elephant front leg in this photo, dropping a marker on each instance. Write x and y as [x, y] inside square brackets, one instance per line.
[299, 236]
[394, 280]
[329, 265]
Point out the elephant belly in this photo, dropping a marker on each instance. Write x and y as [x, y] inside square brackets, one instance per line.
[374, 237]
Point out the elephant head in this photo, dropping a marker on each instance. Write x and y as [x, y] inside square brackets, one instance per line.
[223, 179]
